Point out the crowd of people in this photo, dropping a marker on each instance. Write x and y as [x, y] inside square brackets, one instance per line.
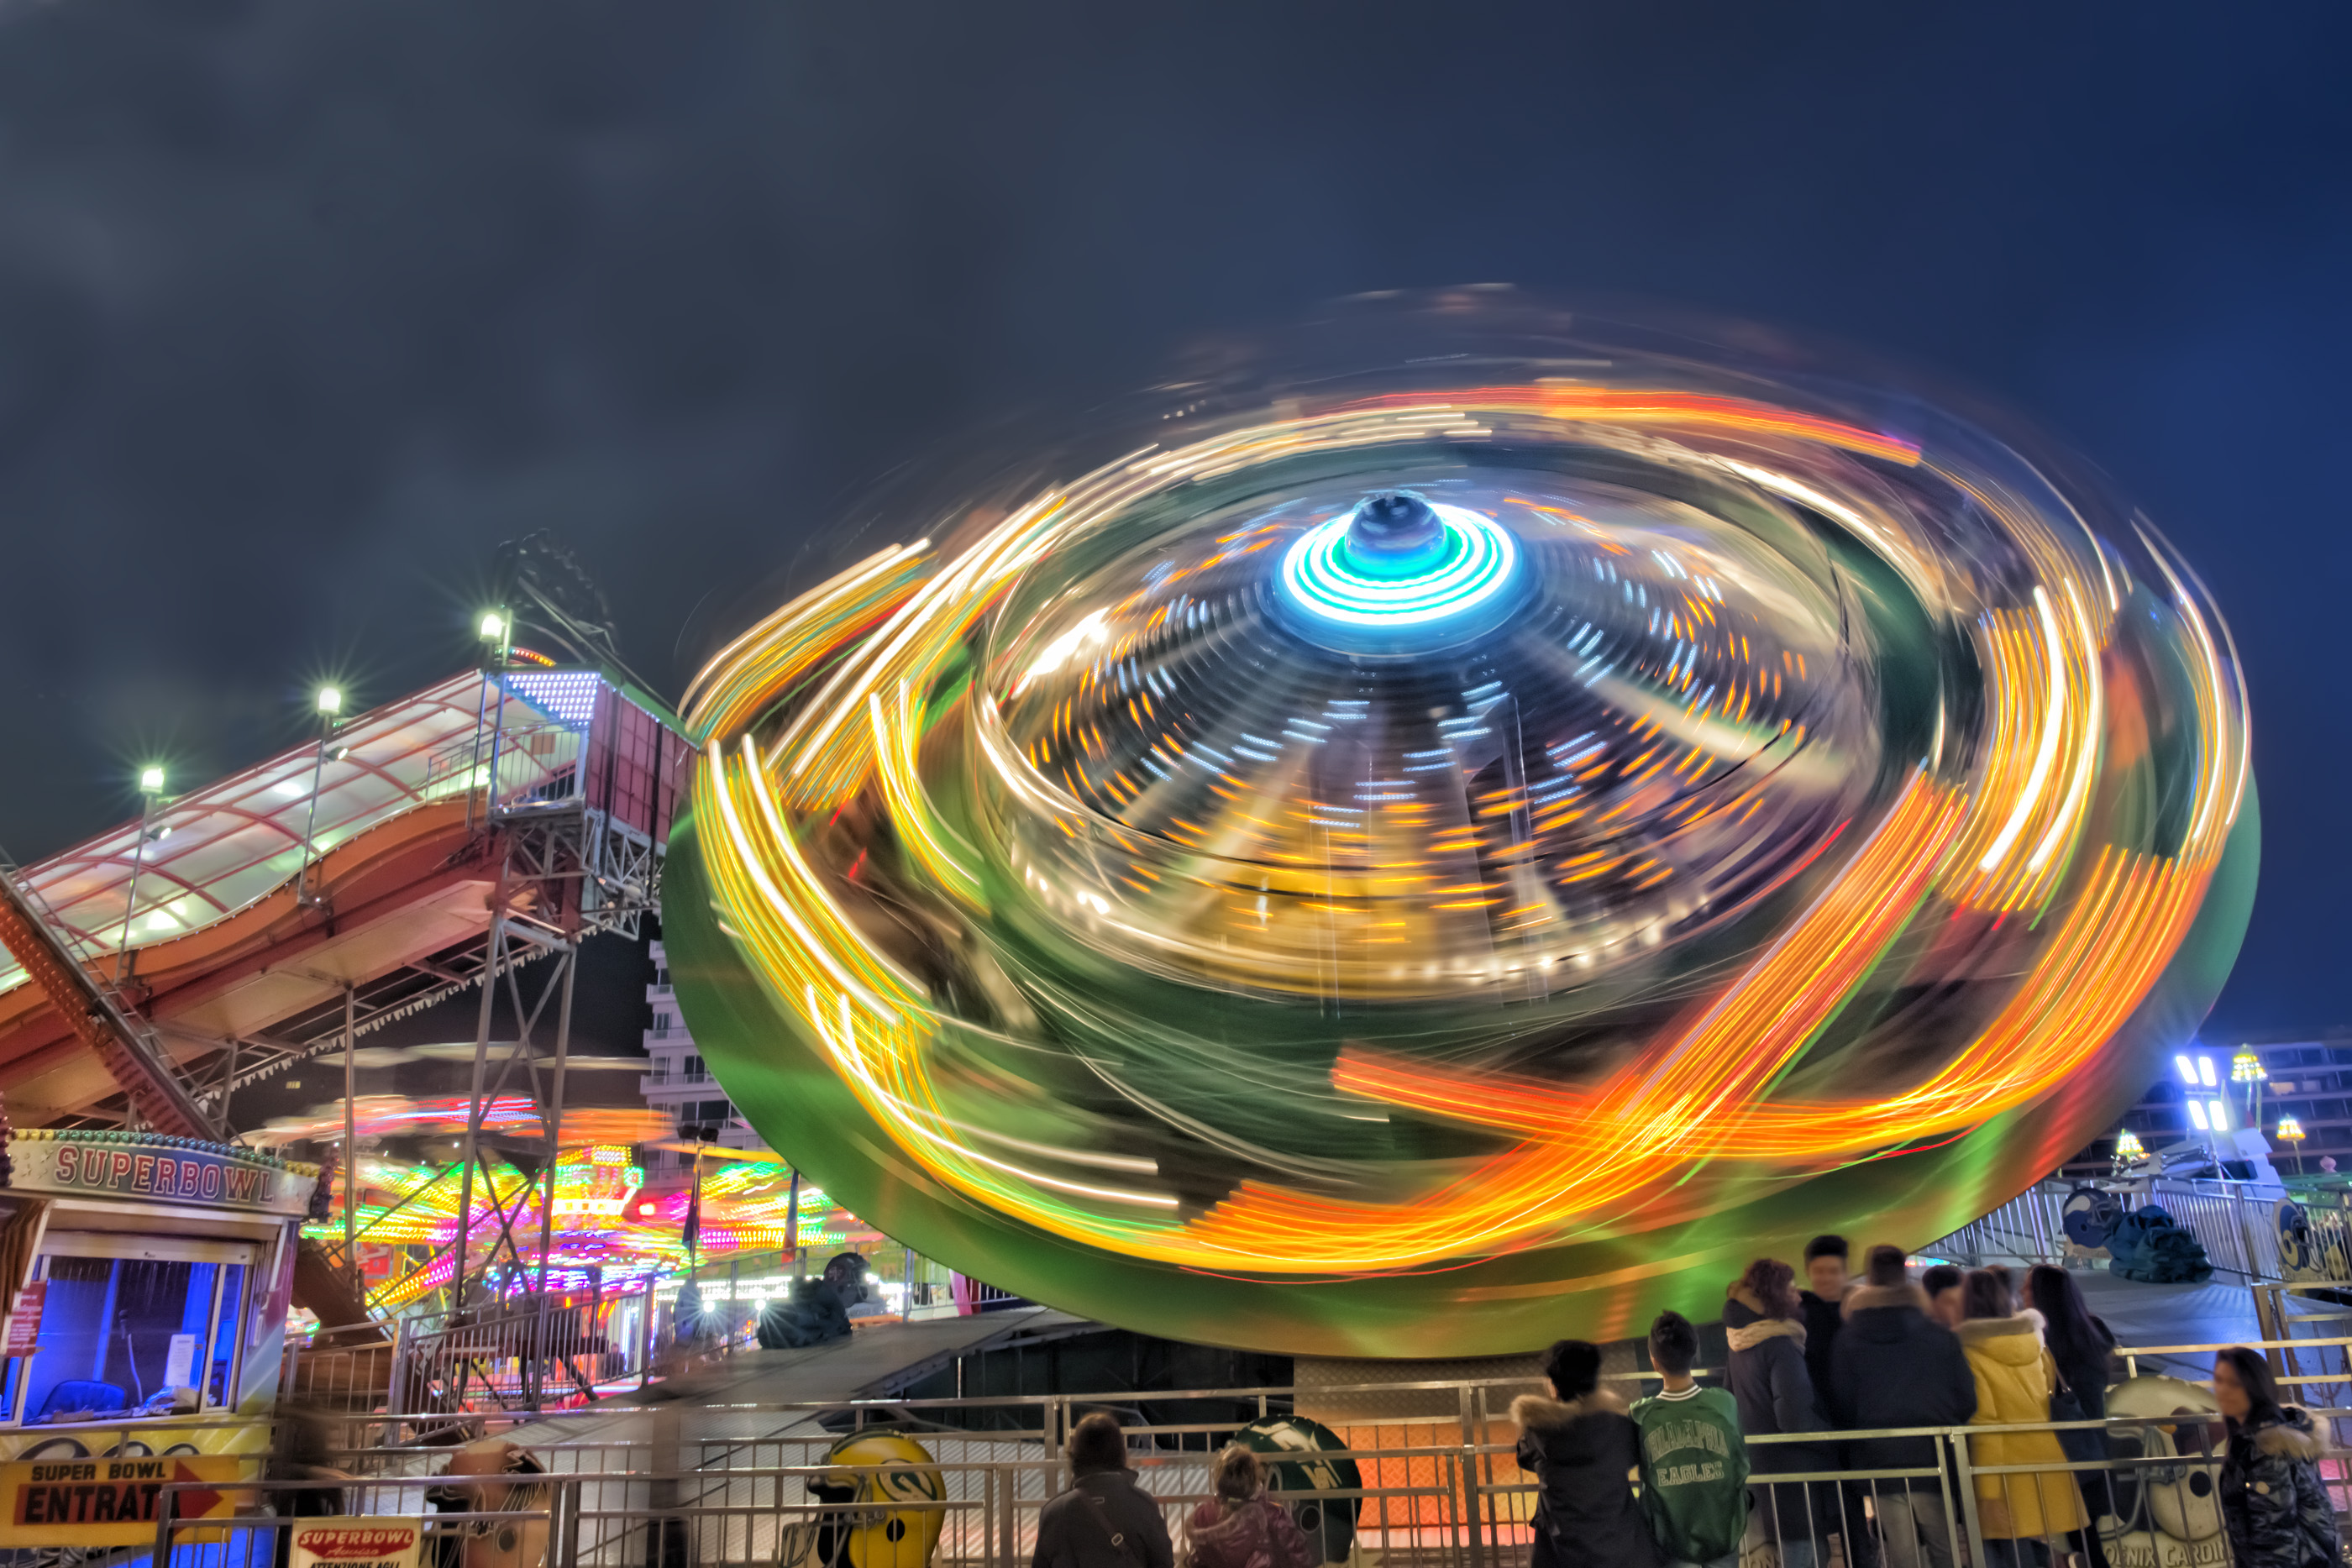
[1670, 1480]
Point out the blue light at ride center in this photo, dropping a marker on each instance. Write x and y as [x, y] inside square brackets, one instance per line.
[1325, 574]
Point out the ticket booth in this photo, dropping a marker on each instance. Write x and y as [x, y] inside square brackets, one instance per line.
[146, 1279]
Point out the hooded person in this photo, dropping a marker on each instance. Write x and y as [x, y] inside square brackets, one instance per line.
[1241, 1526]
[1775, 1395]
[2014, 1377]
[1581, 1447]
[2274, 1499]
[818, 1312]
[1103, 1520]
[1897, 1366]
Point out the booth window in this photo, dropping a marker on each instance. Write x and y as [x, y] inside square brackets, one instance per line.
[121, 1333]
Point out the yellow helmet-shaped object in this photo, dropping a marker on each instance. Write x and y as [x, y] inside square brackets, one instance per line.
[884, 1517]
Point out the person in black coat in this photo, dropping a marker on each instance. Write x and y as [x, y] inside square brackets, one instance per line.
[1583, 1447]
[2084, 1349]
[1826, 1261]
[1826, 1280]
[2273, 1496]
[1776, 1397]
[1103, 1520]
[818, 1313]
[1896, 1367]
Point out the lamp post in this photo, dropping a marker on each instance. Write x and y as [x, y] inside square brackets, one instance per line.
[2289, 1131]
[150, 790]
[2246, 1068]
[496, 632]
[330, 707]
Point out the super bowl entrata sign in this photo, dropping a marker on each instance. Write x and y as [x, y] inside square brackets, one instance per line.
[166, 1169]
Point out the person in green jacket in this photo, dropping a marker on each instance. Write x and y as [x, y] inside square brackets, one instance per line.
[1693, 1460]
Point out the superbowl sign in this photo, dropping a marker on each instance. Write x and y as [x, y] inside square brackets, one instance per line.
[110, 1502]
[357, 1543]
[168, 1170]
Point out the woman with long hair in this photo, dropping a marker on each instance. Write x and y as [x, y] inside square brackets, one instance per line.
[2020, 1515]
[2081, 1348]
[1241, 1526]
[1762, 1318]
[2273, 1498]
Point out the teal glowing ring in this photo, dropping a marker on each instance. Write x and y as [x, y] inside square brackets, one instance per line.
[1481, 557]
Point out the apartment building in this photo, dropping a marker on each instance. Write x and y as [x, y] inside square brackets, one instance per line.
[2304, 1077]
[680, 1084]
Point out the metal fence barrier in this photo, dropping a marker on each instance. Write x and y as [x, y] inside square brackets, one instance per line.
[559, 1350]
[2258, 1233]
[668, 1484]
[1459, 1505]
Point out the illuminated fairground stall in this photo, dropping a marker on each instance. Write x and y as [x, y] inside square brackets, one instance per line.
[593, 1220]
[579, 1279]
[148, 1280]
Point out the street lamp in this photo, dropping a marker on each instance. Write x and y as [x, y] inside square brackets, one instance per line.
[150, 790]
[2289, 1131]
[496, 631]
[329, 704]
[2246, 1068]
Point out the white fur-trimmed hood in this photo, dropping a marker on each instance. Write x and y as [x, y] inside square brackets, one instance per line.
[1747, 1336]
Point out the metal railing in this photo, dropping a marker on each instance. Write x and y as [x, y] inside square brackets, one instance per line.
[2239, 1225]
[554, 1351]
[1455, 1501]
[670, 1484]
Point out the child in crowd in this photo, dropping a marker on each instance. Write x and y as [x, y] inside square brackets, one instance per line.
[1694, 1462]
[1241, 1526]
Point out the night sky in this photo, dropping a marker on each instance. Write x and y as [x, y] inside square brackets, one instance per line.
[304, 307]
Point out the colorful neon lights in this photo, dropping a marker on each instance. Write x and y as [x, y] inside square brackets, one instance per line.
[1322, 577]
[1823, 801]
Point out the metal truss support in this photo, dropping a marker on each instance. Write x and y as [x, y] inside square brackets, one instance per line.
[548, 898]
[101, 1017]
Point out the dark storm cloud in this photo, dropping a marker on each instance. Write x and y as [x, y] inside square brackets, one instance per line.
[303, 307]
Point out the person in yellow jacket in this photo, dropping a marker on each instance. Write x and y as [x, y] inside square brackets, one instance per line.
[2025, 1517]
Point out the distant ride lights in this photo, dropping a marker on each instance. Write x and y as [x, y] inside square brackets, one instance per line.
[1427, 858]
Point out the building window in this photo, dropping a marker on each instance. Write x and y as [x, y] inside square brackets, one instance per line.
[117, 1331]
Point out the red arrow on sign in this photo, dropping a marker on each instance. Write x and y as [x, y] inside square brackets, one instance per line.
[197, 1503]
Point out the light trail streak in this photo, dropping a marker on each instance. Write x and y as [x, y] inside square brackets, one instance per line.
[1069, 772]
